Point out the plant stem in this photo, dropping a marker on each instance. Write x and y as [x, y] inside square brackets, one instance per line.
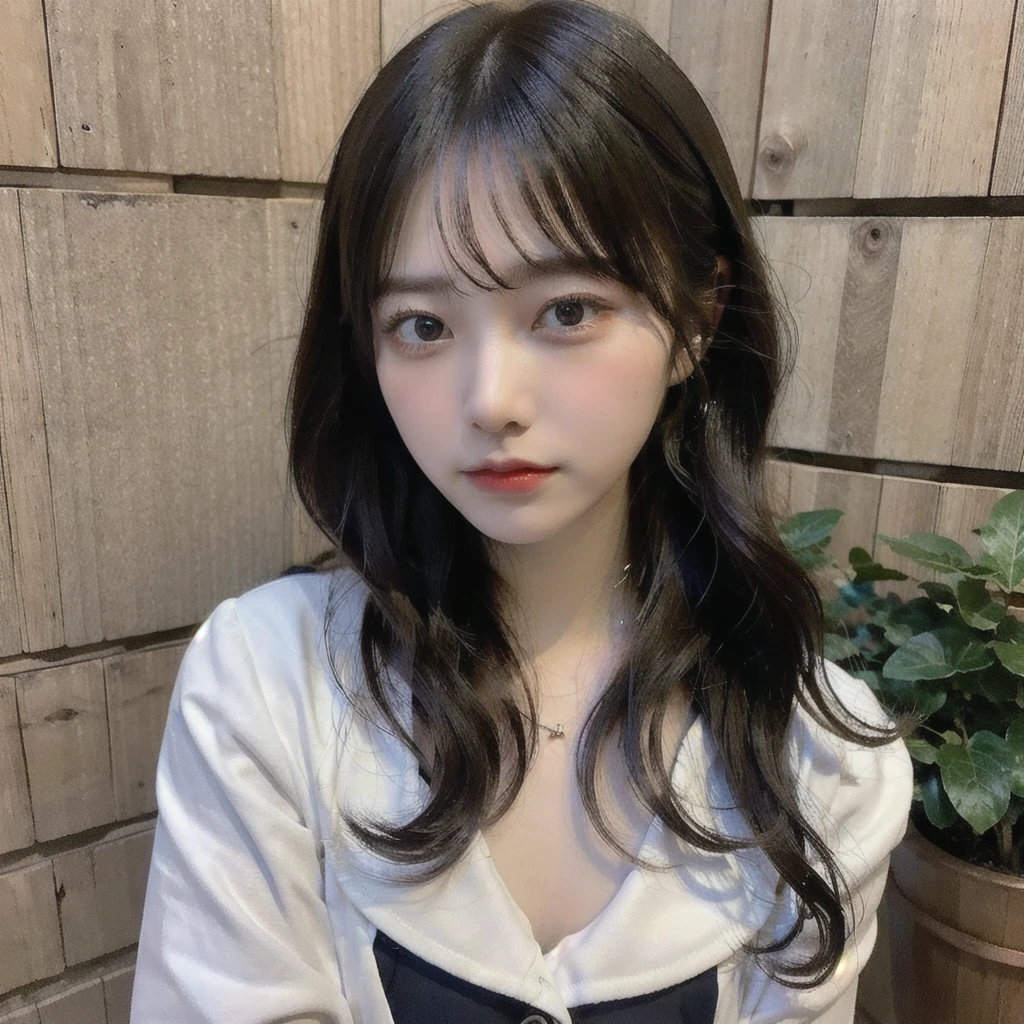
[1004, 843]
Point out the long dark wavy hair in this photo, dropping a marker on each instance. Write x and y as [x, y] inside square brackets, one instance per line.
[611, 144]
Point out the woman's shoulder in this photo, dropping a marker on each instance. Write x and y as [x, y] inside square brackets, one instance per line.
[859, 794]
[265, 652]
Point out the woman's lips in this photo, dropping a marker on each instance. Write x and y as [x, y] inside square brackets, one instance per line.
[517, 481]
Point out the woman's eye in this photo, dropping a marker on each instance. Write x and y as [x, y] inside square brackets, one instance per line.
[416, 328]
[412, 328]
[567, 313]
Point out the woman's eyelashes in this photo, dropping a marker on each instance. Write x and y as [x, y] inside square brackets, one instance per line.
[418, 328]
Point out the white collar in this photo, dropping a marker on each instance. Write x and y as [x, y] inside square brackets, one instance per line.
[660, 928]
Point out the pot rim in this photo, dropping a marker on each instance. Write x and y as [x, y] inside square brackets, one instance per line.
[926, 848]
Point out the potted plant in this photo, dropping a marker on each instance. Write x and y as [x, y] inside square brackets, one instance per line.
[954, 657]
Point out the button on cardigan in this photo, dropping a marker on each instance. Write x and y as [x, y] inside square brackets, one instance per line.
[262, 907]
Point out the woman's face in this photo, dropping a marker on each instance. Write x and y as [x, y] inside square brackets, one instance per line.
[567, 370]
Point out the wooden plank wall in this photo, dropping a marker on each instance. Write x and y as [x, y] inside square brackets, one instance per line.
[159, 182]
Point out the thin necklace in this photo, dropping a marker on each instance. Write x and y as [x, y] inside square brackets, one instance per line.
[557, 731]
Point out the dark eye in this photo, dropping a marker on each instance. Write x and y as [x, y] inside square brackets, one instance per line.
[570, 312]
[427, 328]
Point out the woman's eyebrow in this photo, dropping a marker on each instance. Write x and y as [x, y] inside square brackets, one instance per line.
[518, 276]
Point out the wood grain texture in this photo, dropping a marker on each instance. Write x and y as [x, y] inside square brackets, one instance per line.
[325, 54]
[808, 259]
[82, 1003]
[1008, 165]
[104, 888]
[815, 83]
[30, 938]
[30, 615]
[934, 88]
[720, 47]
[157, 368]
[990, 419]
[856, 495]
[16, 828]
[27, 135]
[19, 177]
[28, 1015]
[908, 337]
[930, 334]
[403, 20]
[117, 994]
[138, 692]
[292, 227]
[165, 88]
[64, 729]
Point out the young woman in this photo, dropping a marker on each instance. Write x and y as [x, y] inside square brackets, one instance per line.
[554, 739]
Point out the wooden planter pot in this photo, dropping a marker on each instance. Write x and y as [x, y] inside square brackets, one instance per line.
[957, 938]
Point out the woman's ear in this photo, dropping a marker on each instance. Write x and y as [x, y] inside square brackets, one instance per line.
[716, 299]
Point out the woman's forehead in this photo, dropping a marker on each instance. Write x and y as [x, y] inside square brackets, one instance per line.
[436, 240]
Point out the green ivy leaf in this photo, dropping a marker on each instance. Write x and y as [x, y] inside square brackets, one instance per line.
[941, 813]
[898, 633]
[964, 651]
[1010, 628]
[920, 750]
[813, 558]
[866, 569]
[940, 593]
[976, 778]
[1015, 741]
[998, 684]
[838, 647]
[921, 657]
[806, 529]
[909, 694]
[1003, 538]
[951, 736]
[930, 550]
[1010, 654]
[977, 606]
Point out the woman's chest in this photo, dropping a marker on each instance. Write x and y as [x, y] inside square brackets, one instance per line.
[549, 855]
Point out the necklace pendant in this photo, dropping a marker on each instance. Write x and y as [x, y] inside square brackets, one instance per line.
[557, 731]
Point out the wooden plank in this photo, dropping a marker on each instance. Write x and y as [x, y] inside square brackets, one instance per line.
[990, 419]
[64, 730]
[16, 829]
[165, 88]
[325, 54]
[19, 177]
[1008, 165]
[777, 477]
[157, 389]
[653, 16]
[930, 335]
[104, 887]
[721, 48]
[27, 1015]
[962, 508]
[138, 690]
[30, 939]
[117, 994]
[10, 606]
[403, 20]
[815, 82]
[27, 135]
[82, 1003]
[25, 462]
[906, 506]
[809, 256]
[291, 231]
[934, 88]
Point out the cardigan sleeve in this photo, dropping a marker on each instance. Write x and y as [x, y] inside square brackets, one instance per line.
[234, 924]
[858, 798]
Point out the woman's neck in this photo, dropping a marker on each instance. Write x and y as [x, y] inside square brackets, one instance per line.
[566, 588]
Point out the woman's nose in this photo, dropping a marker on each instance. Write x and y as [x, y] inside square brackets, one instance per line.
[499, 378]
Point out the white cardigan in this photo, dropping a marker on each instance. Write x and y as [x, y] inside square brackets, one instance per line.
[261, 907]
